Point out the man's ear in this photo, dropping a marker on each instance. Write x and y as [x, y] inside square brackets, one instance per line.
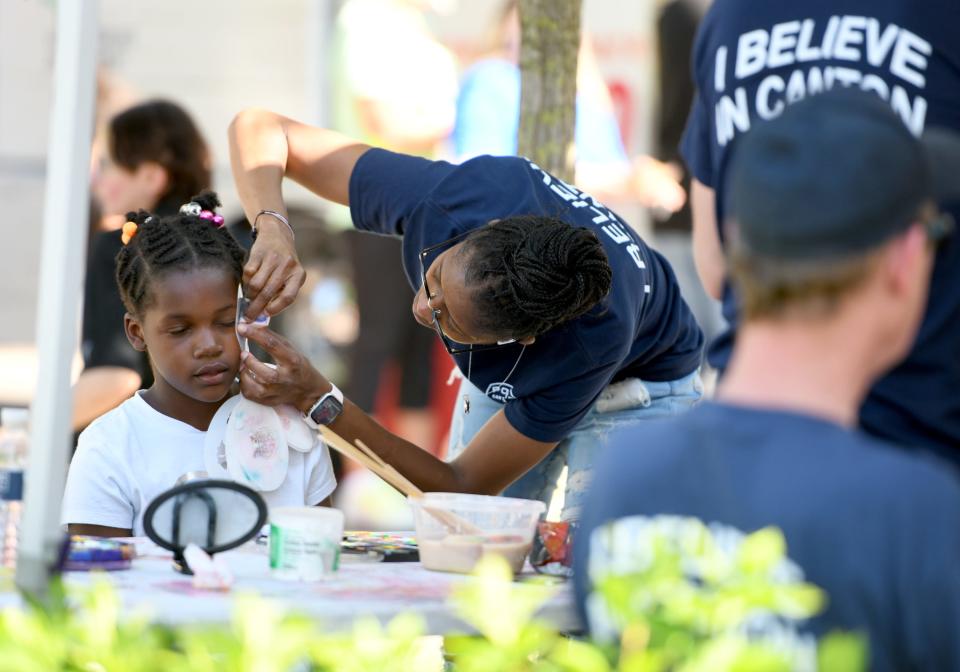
[908, 259]
[527, 341]
[134, 331]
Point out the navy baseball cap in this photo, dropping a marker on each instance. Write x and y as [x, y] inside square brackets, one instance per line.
[837, 174]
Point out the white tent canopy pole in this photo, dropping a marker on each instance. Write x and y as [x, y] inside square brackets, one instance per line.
[61, 276]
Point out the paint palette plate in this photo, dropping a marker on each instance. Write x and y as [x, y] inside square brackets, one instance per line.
[299, 436]
[256, 447]
[214, 448]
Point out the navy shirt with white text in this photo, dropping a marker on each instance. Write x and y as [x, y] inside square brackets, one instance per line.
[752, 58]
[643, 329]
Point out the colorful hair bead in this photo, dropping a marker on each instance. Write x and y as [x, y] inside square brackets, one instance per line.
[195, 209]
[212, 217]
[191, 208]
[128, 232]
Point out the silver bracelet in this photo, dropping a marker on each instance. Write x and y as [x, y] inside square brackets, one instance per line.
[272, 213]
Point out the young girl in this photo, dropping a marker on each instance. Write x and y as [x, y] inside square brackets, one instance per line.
[178, 277]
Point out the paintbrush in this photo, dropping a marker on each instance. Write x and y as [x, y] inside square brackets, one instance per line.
[368, 458]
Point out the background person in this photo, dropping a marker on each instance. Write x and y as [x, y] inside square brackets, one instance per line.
[394, 86]
[676, 31]
[832, 258]
[752, 60]
[488, 120]
[155, 159]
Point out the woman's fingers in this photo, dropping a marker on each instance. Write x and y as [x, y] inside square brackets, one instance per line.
[294, 381]
[260, 382]
[289, 292]
[279, 348]
[257, 287]
[263, 374]
[251, 389]
[273, 275]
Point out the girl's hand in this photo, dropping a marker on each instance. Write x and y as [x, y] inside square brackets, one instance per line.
[294, 381]
[272, 275]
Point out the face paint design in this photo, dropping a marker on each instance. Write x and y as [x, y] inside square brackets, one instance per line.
[256, 448]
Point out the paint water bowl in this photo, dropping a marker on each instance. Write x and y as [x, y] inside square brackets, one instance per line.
[497, 525]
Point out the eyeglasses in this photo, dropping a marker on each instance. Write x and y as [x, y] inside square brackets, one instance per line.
[452, 346]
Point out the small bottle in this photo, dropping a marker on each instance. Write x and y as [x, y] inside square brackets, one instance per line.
[14, 443]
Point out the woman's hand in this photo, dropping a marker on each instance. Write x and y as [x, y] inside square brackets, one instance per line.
[272, 275]
[294, 381]
[657, 184]
[265, 147]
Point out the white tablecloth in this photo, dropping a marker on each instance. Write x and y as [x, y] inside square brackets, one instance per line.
[360, 588]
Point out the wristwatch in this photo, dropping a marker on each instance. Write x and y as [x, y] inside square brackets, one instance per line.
[326, 410]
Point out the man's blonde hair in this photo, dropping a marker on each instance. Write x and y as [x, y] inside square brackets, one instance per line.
[770, 288]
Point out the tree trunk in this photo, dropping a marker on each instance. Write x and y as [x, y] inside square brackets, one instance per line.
[550, 42]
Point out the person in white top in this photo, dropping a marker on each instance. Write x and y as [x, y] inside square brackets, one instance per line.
[178, 277]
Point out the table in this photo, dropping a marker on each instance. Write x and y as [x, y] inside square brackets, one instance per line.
[360, 588]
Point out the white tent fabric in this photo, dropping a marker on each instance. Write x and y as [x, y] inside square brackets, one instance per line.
[61, 276]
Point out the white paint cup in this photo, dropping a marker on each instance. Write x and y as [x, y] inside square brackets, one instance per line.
[305, 542]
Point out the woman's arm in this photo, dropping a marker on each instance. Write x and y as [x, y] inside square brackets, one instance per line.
[265, 147]
[497, 455]
[707, 250]
[101, 389]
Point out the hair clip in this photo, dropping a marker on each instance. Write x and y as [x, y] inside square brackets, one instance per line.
[129, 231]
[213, 217]
[195, 209]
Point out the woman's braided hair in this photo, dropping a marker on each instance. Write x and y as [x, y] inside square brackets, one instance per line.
[533, 273]
[165, 244]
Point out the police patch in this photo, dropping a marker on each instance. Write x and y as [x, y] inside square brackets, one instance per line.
[502, 392]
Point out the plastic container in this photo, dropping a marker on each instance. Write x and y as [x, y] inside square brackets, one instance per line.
[506, 528]
[305, 542]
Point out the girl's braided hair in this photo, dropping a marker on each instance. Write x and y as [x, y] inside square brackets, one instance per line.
[533, 273]
[180, 242]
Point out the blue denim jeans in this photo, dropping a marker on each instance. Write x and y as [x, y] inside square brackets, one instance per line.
[579, 450]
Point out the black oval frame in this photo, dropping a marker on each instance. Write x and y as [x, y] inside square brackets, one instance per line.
[196, 485]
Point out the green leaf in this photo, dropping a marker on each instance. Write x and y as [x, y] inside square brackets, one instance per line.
[762, 550]
[843, 652]
[496, 606]
[581, 656]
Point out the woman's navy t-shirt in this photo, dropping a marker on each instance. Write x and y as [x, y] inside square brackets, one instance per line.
[642, 330]
[752, 58]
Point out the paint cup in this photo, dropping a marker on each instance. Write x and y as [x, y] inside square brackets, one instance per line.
[305, 542]
[506, 526]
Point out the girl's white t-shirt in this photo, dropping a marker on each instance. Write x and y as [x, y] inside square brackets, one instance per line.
[128, 456]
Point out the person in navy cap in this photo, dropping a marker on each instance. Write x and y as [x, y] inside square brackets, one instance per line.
[752, 60]
[831, 240]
